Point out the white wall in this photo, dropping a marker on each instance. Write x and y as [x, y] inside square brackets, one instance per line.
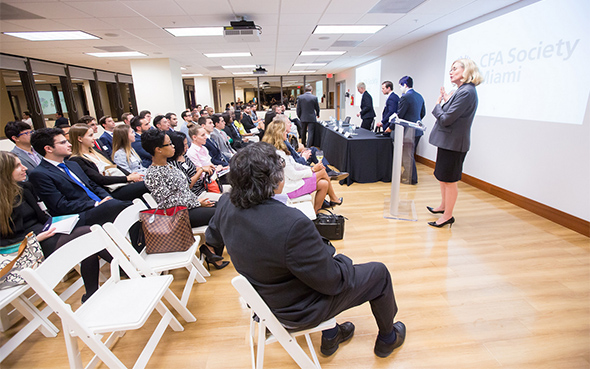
[158, 85]
[545, 162]
[204, 91]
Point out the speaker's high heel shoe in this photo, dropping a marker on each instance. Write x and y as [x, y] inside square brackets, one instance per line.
[449, 222]
[217, 266]
[431, 209]
[209, 256]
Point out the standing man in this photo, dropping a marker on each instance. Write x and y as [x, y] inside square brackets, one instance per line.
[367, 113]
[308, 110]
[411, 107]
[390, 105]
[106, 139]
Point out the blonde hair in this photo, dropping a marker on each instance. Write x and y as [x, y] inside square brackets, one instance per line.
[471, 72]
[78, 130]
[193, 130]
[121, 141]
[275, 134]
[10, 191]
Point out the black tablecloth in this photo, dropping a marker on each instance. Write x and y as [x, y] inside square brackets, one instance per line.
[365, 156]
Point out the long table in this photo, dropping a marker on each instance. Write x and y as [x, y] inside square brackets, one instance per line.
[365, 156]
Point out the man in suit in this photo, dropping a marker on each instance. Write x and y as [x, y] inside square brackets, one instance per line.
[308, 110]
[126, 118]
[64, 187]
[269, 116]
[60, 120]
[284, 257]
[411, 107]
[139, 126]
[214, 151]
[367, 113]
[221, 138]
[390, 106]
[161, 123]
[106, 139]
[249, 123]
[187, 118]
[20, 133]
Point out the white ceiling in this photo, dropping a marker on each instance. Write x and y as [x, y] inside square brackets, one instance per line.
[287, 27]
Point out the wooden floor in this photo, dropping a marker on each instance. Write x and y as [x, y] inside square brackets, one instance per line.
[503, 288]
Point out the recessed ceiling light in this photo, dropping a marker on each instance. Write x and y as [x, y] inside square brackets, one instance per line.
[350, 29]
[309, 64]
[182, 68]
[119, 54]
[195, 31]
[228, 55]
[53, 35]
[242, 73]
[238, 66]
[193, 75]
[315, 53]
[302, 71]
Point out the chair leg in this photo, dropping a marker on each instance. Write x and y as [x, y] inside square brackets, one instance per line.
[174, 323]
[314, 356]
[198, 263]
[149, 348]
[179, 306]
[186, 292]
[29, 311]
[72, 348]
[261, 343]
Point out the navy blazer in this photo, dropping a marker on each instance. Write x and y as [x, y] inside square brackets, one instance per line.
[60, 193]
[106, 143]
[411, 107]
[247, 122]
[452, 129]
[367, 110]
[308, 108]
[146, 158]
[390, 108]
[215, 153]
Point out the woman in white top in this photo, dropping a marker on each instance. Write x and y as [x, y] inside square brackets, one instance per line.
[300, 179]
[123, 154]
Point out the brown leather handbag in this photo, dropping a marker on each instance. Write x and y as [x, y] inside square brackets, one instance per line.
[166, 230]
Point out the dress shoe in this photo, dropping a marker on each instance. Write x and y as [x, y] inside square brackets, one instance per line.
[334, 203]
[338, 176]
[449, 222]
[431, 209]
[383, 349]
[330, 345]
[326, 204]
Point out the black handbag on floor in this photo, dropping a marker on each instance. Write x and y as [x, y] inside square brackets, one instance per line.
[330, 225]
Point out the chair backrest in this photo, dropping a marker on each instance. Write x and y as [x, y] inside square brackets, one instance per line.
[129, 216]
[124, 246]
[150, 200]
[258, 306]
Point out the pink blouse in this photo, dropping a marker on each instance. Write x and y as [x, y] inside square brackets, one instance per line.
[199, 155]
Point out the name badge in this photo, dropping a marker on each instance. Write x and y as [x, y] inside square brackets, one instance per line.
[105, 147]
[185, 166]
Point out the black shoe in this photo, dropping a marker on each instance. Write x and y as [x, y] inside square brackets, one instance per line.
[338, 176]
[330, 345]
[217, 266]
[383, 349]
[431, 209]
[449, 222]
[326, 205]
[209, 256]
[334, 203]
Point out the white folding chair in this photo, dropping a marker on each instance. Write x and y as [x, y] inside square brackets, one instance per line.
[267, 320]
[23, 308]
[117, 306]
[149, 264]
[304, 204]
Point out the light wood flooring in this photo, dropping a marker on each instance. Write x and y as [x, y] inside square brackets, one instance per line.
[503, 288]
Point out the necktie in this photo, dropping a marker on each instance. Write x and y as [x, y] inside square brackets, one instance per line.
[91, 194]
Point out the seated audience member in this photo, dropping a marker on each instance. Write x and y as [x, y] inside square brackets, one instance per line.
[123, 153]
[269, 116]
[237, 140]
[147, 115]
[209, 110]
[91, 122]
[170, 188]
[214, 150]
[193, 174]
[27, 118]
[20, 133]
[237, 122]
[126, 118]
[140, 125]
[60, 120]
[65, 128]
[106, 139]
[249, 123]
[287, 262]
[161, 123]
[300, 179]
[20, 214]
[203, 113]
[64, 187]
[221, 138]
[121, 185]
[198, 153]
[187, 118]
[172, 120]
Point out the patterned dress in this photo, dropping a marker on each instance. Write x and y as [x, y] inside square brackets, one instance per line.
[169, 187]
[189, 169]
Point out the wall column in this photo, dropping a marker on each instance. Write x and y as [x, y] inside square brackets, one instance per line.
[158, 85]
[204, 91]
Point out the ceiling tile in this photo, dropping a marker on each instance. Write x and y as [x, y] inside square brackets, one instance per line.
[155, 7]
[104, 9]
[51, 10]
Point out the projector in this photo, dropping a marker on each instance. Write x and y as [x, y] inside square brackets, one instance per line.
[242, 31]
[259, 71]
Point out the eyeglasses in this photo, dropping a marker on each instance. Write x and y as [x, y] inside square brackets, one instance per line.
[24, 133]
[63, 142]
